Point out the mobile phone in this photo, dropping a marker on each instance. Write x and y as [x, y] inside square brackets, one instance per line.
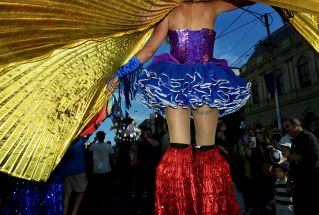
[242, 125]
[253, 142]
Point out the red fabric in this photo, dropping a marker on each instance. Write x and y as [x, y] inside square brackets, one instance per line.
[215, 189]
[95, 122]
[175, 188]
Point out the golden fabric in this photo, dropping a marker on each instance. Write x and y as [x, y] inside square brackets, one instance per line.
[55, 57]
[306, 24]
[302, 15]
[305, 6]
[44, 104]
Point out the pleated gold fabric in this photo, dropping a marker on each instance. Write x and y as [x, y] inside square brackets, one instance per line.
[304, 6]
[306, 24]
[46, 103]
[55, 57]
[302, 15]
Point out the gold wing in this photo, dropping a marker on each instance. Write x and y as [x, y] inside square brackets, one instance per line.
[307, 25]
[55, 57]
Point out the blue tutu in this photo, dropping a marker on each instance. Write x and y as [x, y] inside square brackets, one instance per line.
[165, 83]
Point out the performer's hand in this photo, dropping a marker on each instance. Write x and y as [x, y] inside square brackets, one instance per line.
[112, 84]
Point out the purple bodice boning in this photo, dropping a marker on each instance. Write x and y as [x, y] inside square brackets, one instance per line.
[192, 47]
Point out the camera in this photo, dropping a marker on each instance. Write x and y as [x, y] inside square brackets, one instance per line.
[252, 142]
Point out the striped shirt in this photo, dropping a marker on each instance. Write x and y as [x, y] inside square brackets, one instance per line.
[282, 196]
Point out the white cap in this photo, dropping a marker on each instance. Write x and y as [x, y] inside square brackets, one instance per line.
[286, 145]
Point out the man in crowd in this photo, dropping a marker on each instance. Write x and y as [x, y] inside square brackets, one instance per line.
[75, 176]
[304, 172]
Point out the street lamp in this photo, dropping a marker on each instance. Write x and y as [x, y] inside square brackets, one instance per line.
[271, 47]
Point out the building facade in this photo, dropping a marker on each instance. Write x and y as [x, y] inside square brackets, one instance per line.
[295, 67]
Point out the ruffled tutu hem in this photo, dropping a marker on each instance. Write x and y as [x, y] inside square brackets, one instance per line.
[166, 83]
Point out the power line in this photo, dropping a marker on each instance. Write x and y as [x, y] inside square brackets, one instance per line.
[244, 54]
[233, 21]
[259, 17]
[233, 63]
[242, 59]
[244, 36]
[243, 25]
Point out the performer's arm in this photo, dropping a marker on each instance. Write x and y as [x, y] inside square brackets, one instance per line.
[142, 56]
[154, 42]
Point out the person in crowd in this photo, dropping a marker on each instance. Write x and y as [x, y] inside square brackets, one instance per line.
[286, 138]
[245, 144]
[285, 149]
[102, 152]
[149, 154]
[227, 141]
[75, 176]
[134, 163]
[101, 169]
[280, 155]
[188, 82]
[283, 198]
[261, 164]
[304, 171]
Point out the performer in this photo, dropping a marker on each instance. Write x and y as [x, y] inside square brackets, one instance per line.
[187, 83]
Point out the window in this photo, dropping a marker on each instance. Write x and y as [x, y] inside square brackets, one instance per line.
[280, 84]
[255, 92]
[304, 73]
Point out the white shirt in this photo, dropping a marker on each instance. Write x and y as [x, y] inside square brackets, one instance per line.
[101, 157]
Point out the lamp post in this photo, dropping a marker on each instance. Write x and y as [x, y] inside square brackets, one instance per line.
[273, 67]
[270, 45]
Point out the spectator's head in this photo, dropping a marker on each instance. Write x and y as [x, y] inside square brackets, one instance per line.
[262, 135]
[146, 133]
[100, 135]
[282, 170]
[250, 132]
[221, 126]
[285, 149]
[292, 126]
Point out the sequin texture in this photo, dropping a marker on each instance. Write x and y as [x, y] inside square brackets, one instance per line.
[215, 190]
[191, 46]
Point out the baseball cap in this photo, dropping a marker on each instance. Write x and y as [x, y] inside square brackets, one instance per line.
[286, 145]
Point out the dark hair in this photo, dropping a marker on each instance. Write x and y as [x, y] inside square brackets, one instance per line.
[100, 135]
[294, 120]
[284, 166]
[266, 135]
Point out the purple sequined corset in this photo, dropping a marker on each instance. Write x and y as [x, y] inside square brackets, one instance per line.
[192, 46]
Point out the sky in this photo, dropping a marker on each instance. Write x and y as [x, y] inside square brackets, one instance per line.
[237, 32]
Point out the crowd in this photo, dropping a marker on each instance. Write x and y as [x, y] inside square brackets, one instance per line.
[99, 168]
[272, 174]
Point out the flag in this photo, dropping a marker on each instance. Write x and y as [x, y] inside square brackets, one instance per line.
[270, 83]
